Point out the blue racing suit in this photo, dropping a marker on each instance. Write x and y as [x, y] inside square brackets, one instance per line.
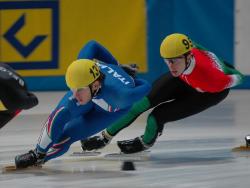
[70, 122]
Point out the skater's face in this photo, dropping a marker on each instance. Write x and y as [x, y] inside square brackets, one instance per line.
[83, 95]
[177, 65]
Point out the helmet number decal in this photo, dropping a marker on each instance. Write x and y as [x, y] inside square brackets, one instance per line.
[94, 71]
[186, 43]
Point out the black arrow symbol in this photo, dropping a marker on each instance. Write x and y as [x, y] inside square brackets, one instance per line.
[25, 51]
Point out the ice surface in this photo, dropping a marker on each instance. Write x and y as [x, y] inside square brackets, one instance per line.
[194, 152]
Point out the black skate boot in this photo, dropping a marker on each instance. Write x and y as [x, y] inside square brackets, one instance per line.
[247, 138]
[132, 146]
[32, 158]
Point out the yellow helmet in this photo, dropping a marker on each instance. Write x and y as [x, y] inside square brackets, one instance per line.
[175, 45]
[81, 73]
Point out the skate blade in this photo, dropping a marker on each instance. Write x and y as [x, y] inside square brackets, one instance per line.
[13, 168]
[141, 156]
[241, 148]
[86, 153]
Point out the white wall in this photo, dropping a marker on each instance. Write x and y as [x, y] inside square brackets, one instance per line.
[242, 36]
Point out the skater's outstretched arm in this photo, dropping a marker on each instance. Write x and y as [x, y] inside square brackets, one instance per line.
[94, 50]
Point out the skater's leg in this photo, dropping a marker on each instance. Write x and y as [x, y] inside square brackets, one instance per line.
[179, 109]
[53, 132]
[81, 128]
[53, 129]
[188, 105]
[66, 111]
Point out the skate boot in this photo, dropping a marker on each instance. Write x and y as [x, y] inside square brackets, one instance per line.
[96, 142]
[132, 146]
[32, 158]
[247, 138]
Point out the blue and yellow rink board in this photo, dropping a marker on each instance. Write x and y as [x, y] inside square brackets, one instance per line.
[39, 38]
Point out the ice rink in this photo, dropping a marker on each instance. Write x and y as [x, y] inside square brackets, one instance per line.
[194, 152]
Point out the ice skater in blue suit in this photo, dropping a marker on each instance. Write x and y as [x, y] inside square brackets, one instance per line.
[101, 92]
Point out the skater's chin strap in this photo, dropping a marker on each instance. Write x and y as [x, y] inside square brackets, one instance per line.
[187, 61]
[97, 91]
[94, 92]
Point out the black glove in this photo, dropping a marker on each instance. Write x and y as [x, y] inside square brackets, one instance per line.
[96, 142]
[31, 101]
[131, 69]
[132, 146]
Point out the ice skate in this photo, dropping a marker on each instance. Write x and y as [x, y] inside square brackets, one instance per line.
[32, 158]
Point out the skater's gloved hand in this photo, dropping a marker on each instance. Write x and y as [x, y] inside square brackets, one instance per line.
[131, 69]
[96, 142]
[132, 146]
[32, 100]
